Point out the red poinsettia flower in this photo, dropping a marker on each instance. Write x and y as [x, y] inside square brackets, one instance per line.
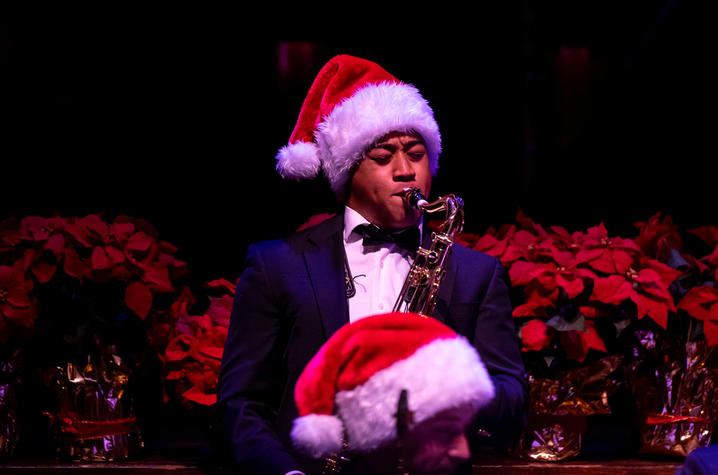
[539, 301]
[39, 229]
[494, 243]
[605, 254]
[658, 236]
[527, 246]
[646, 287]
[89, 231]
[565, 241]
[15, 302]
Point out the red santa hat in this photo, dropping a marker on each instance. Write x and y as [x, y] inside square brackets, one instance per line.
[351, 104]
[352, 385]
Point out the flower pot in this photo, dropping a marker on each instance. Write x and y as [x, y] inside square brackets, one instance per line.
[678, 401]
[96, 417]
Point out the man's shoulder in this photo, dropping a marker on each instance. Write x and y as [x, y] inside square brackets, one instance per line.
[467, 257]
[297, 241]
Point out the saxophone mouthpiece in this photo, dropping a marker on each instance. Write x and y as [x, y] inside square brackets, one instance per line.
[414, 197]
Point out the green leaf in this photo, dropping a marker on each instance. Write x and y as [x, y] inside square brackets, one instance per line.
[560, 324]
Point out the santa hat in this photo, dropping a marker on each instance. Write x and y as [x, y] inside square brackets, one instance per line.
[352, 385]
[351, 104]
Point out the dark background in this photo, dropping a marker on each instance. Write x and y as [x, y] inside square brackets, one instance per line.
[576, 112]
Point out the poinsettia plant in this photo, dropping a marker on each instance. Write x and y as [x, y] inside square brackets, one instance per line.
[70, 282]
[193, 355]
[574, 293]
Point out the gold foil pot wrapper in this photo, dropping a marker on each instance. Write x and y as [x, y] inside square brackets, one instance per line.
[560, 407]
[676, 394]
[96, 418]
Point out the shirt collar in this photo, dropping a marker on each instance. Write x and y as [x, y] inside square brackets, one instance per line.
[352, 219]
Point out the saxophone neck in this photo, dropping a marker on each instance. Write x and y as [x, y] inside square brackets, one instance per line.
[450, 206]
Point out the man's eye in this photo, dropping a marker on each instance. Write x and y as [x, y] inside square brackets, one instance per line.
[381, 159]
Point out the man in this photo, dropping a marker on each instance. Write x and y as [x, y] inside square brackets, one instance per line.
[371, 136]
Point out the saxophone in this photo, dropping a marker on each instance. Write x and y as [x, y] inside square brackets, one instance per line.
[418, 295]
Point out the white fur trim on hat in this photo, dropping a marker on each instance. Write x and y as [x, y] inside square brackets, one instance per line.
[298, 160]
[370, 113]
[318, 435]
[440, 375]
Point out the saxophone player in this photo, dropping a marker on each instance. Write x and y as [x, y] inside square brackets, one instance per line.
[371, 136]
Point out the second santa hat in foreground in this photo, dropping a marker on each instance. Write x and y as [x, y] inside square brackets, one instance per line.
[354, 382]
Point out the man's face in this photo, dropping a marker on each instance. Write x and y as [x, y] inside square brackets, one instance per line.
[438, 445]
[397, 161]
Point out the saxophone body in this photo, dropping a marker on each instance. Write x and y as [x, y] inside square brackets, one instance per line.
[421, 287]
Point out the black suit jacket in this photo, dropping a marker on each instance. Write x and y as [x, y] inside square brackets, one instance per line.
[291, 298]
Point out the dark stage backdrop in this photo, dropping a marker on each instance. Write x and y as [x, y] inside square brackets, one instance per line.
[578, 115]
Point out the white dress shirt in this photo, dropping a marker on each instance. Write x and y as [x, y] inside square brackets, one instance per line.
[378, 271]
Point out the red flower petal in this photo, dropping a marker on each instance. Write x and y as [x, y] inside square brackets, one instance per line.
[535, 335]
[665, 273]
[522, 272]
[74, 266]
[138, 298]
[217, 283]
[122, 231]
[711, 331]
[200, 397]
[622, 261]
[43, 271]
[593, 339]
[574, 344]
[139, 242]
[613, 289]
[179, 348]
[573, 287]
[698, 301]
[116, 256]
[658, 311]
[56, 244]
[709, 234]
[604, 262]
[157, 278]
[99, 259]
[212, 351]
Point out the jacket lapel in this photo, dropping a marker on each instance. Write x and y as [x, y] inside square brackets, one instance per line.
[324, 258]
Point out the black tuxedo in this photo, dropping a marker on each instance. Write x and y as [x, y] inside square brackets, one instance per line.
[291, 298]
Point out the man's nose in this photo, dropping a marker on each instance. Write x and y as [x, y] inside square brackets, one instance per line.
[403, 169]
[459, 448]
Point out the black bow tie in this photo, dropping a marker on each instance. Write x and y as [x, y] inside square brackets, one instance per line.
[407, 239]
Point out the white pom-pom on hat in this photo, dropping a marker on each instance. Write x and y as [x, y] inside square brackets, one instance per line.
[318, 435]
[298, 160]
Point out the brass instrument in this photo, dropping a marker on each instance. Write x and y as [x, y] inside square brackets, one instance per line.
[418, 295]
